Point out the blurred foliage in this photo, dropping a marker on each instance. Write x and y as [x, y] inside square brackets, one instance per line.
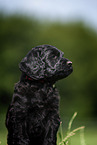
[18, 34]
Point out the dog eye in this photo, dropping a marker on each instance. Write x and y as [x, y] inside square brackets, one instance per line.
[53, 56]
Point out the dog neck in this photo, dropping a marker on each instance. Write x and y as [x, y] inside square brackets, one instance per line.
[26, 78]
[32, 80]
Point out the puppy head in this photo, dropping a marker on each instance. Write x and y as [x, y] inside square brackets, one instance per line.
[46, 62]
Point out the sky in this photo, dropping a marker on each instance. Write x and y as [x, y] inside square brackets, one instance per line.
[62, 10]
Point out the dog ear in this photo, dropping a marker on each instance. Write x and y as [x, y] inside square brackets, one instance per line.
[32, 65]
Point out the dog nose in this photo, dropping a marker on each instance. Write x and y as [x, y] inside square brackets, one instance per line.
[69, 63]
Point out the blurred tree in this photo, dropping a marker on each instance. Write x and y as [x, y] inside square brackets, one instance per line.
[18, 34]
[79, 44]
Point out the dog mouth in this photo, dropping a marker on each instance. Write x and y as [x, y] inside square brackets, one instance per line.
[66, 69]
[63, 70]
[67, 65]
[69, 68]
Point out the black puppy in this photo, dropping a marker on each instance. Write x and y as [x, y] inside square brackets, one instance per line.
[33, 116]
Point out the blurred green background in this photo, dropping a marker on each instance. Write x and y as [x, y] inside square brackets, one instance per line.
[19, 33]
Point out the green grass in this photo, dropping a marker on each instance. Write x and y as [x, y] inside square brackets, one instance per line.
[70, 133]
[88, 136]
[3, 137]
[77, 136]
[3, 131]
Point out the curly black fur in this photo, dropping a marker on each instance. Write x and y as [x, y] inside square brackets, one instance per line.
[33, 116]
